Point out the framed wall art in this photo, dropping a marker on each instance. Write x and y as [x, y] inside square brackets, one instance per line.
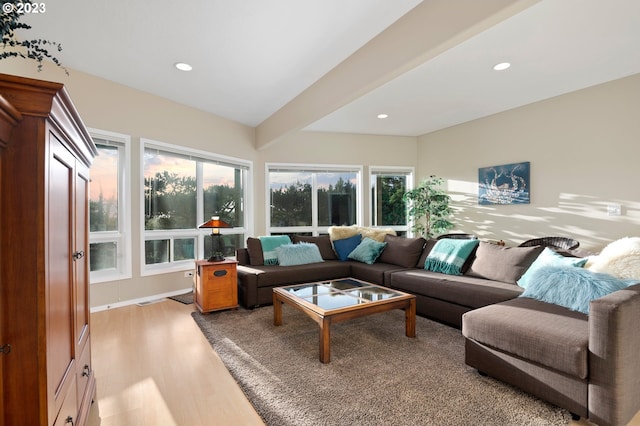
[505, 184]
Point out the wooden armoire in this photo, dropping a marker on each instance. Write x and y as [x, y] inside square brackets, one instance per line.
[45, 340]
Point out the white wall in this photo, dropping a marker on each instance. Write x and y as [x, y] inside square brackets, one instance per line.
[583, 147]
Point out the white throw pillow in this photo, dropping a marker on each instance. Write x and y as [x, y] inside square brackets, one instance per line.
[620, 258]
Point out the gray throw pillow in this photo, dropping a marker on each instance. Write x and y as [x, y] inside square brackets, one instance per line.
[505, 264]
[402, 251]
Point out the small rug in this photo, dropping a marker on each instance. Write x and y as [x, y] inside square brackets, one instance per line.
[186, 298]
[377, 375]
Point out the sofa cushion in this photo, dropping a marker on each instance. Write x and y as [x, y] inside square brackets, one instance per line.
[376, 273]
[276, 275]
[298, 254]
[449, 255]
[322, 241]
[402, 251]
[506, 264]
[428, 246]
[254, 247]
[367, 251]
[346, 245]
[549, 257]
[573, 288]
[463, 290]
[543, 333]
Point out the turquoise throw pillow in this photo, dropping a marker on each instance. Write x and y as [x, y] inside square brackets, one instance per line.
[367, 251]
[269, 245]
[448, 255]
[298, 254]
[549, 257]
[571, 287]
[346, 245]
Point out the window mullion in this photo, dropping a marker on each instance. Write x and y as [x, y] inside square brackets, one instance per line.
[314, 203]
[199, 207]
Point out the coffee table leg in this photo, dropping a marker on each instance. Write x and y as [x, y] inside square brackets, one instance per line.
[277, 311]
[410, 318]
[325, 336]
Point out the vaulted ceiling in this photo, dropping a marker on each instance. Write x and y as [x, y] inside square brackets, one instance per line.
[334, 65]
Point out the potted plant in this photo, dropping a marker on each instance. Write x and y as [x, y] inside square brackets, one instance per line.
[36, 49]
[428, 208]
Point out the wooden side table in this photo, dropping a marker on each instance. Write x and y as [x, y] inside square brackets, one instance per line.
[216, 285]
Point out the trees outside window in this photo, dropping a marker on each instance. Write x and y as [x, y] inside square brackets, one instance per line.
[307, 200]
[183, 189]
[109, 208]
[388, 207]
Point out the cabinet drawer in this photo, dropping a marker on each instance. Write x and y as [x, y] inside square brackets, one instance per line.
[84, 371]
[68, 413]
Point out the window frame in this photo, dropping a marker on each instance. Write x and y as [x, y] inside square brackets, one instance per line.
[121, 237]
[314, 229]
[374, 171]
[200, 157]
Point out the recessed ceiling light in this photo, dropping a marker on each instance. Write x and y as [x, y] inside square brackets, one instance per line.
[183, 66]
[501, 66]
[383, 115]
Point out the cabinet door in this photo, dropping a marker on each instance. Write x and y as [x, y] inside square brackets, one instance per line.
[81, 278]
[60, 292]
[80, 255]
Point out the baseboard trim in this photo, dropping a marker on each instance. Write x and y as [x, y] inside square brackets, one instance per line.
[140, 301]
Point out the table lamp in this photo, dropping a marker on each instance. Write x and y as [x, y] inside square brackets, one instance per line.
[216, 239]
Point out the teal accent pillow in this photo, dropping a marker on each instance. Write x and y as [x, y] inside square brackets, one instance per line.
[269, 244]
[571, 287]
[346, 245]
[449, 255]
[298, 254]
[367, 251]
[549, 257]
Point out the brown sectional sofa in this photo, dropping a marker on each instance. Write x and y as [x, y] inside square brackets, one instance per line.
[585, 364]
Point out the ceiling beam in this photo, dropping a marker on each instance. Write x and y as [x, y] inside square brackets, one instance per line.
[429, 29]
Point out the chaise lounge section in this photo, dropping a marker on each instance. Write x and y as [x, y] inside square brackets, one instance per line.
[586, 364]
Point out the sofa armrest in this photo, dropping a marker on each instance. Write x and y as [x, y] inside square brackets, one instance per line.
[242, 256]
[614, 345]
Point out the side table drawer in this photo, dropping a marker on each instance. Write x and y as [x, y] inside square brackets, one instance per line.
[218, 277]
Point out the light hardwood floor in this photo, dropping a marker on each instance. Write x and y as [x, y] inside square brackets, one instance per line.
[154, 367]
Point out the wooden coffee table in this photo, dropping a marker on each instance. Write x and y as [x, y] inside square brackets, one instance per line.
[334, 301]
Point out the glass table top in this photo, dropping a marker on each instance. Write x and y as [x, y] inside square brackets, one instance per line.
[341, 293]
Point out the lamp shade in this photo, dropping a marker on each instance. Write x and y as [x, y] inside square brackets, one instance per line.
[215, 222]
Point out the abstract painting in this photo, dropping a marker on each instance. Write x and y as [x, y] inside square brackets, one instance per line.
[505, 184]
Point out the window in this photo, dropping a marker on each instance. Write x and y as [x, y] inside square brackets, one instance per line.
[388, 186]
[183, 189]
[309, 199]
[109, 208]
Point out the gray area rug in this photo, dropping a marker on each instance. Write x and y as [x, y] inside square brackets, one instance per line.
[186, 298]
[377, 375]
